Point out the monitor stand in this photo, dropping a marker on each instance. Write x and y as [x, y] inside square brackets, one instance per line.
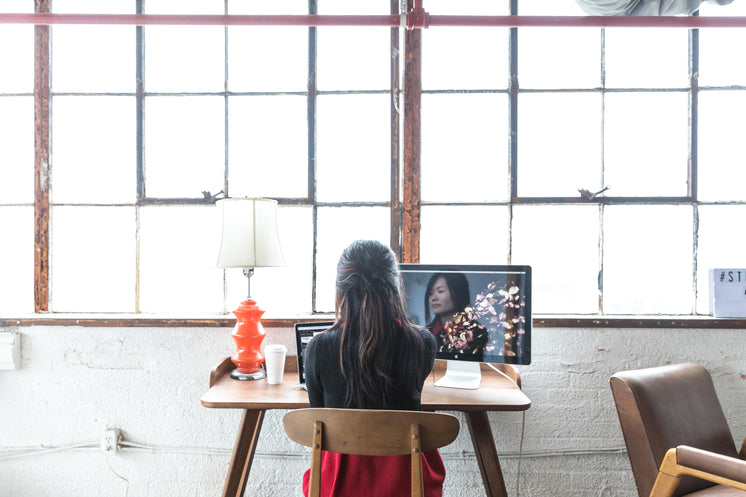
[461, 374]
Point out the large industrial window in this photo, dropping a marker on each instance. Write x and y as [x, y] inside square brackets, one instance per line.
[611, 160]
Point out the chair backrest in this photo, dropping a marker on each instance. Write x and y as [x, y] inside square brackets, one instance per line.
[370, 432]
[663, 407]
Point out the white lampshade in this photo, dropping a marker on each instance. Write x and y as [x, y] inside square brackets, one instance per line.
[249, 236]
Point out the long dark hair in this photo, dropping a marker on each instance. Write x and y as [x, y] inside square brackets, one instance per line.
[381, 351]
[457, 284]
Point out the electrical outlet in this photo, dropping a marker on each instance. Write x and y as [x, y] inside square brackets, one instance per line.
[110, 440]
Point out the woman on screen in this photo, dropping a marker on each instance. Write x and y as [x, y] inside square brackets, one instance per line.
[373, 357]
[455, 328]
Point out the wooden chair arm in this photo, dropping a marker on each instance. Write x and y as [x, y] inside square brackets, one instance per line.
[688, 461]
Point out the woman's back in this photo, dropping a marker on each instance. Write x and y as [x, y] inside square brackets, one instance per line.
[374, 357]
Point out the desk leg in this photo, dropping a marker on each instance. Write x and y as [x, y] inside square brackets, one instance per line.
[243, 453]
[484, 448]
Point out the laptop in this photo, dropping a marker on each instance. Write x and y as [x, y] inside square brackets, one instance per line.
[304, 332]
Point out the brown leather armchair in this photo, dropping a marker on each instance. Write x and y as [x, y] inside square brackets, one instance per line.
[677, 437]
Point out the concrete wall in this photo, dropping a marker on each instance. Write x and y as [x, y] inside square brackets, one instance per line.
[76, 382]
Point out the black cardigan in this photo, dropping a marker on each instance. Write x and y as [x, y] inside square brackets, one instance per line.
[326, 385]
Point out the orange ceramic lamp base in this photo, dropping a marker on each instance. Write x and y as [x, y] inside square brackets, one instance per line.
[248, 335]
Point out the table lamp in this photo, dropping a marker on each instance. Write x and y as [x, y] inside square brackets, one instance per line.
[249, 240]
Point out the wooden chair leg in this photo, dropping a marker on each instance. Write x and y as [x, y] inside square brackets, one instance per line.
[416, 455]
[314, 489]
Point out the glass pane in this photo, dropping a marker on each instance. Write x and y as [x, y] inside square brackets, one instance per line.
[185, 7]
[646, 144]
[464, 235]
[17, 260]
[345, 7]
[465, 148]
[467, 7]
[559, 57]
[720, 245]
[337, 228]
[93, 6]
[178, 251]
[548, 8]
[78, 65]
[281, 64]
[465, 58]
[354, 58]
[184, 145]
[184, 58]
[722, 149]
[647, 58]
[17, 57]
[263, 163]
[559, 144]
[569, 287]
[648, 260]
[93, 150]
[17, 6]
[16, 150]
[281, 291]
[353, 148]
[93, 259]
[718, 64]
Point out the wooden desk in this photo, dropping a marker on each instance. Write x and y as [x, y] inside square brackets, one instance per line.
[496, 393]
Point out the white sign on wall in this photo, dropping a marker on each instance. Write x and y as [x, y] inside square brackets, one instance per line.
[728, 293]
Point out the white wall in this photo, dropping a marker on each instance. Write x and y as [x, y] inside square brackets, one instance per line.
[76, 382]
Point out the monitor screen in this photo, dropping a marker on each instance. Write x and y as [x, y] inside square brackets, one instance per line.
[476, 313]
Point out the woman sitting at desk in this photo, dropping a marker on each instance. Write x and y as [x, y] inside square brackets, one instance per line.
[373, 357]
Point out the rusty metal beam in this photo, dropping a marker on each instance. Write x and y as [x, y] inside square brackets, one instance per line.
[411, 180]
[41, 162]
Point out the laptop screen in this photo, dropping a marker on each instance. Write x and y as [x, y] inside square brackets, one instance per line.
[304, 332]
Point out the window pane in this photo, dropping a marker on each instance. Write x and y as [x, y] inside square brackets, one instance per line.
[464, 235]
[80, 65]
[353, 157]
[93, 259]
[281, 291]
[647, 58]
[16, 150]
[559, 144]
[178, 251]
[184, 58]
[17, 260]
[465, 58]
[184, 145]
[345, 7]
[718, 65]
[281, 64]
[465, 148]
[648, 260]
[720, 245]
[467, 7]
[185, 7]
[354, 58]
[93, 6]
[646, 147]
[268, 146]
[17, 57]
[544, 64]
[93, 144]
[722, 149]
[572, 232]
[337, 228]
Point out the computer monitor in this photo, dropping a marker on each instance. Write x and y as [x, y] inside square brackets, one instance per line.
[476, 313]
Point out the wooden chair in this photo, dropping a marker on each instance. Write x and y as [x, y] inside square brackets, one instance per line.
[677, 437]
[370, 432]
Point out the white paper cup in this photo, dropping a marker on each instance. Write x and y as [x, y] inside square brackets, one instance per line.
[274, 362]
